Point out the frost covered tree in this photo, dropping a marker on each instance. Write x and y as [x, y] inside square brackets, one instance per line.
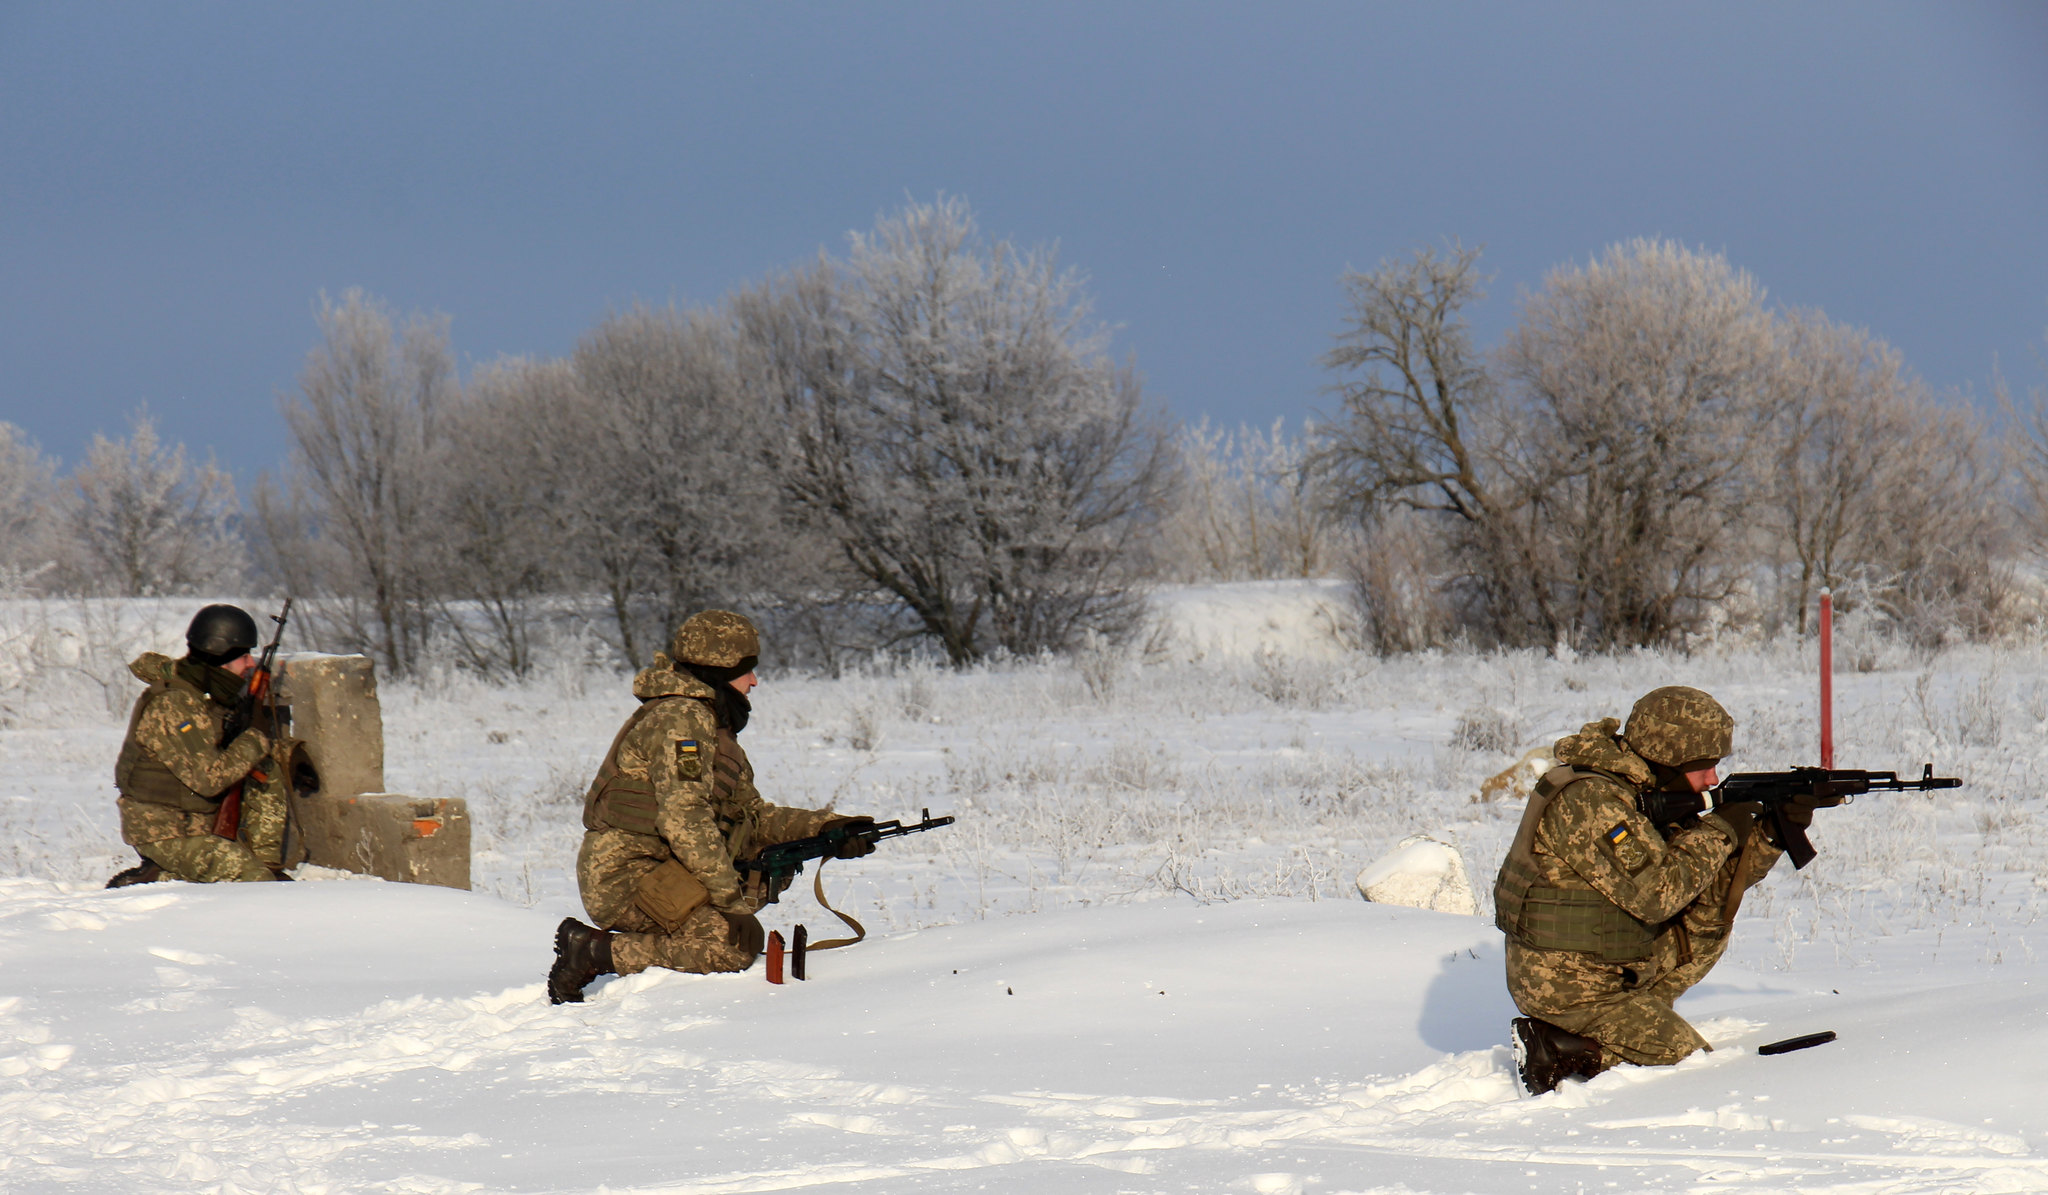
[354, 522]
[665, 489]
[1417, 399]
[1878, 489]
[952, 422]
[1248, 507]
[138, 518]
[27, 483]
[1643, 383]
[1417, 452]
[1590, 484]
[500, 543]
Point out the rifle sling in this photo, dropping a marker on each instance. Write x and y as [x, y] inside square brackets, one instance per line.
[1737, 888]
[818, 890]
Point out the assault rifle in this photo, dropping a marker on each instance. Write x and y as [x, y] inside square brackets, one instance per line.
[256, 690]
[1822, 787]
[781, 863]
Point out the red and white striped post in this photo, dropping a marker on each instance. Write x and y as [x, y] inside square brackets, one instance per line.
[1827, 679]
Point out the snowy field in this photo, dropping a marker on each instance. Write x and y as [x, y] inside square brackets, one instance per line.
[1137, 963]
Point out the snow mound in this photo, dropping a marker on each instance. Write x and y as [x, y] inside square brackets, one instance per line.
[1420, 873]
[1243, 620]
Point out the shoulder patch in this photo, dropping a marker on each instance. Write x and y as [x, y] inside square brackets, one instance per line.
[1619, 834]
[689, 760]
[187, 726]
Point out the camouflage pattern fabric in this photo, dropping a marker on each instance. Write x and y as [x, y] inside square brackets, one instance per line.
[1676, 725]
[1589, 837]
[171, 754]
[707, 813]
[185, 846]
[715, 638]
[708, 941]
[172, 777]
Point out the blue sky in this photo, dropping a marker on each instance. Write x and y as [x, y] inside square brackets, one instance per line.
[179, 182]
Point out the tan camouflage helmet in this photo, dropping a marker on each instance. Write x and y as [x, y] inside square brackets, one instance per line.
[716, 639]
[1678, 725]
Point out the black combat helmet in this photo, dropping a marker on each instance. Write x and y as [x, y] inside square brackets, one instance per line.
[221, 634]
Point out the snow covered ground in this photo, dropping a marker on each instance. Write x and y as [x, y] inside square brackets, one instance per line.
[1137, 963]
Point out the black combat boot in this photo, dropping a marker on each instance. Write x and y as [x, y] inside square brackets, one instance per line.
[1546, 1055]
[582, 953]
[144, 872]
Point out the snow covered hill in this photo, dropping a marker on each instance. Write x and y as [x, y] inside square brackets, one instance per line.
[360, 1036]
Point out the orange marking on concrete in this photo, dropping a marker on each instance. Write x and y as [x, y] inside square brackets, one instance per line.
[425, 826]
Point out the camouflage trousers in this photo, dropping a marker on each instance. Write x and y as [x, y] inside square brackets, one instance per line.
[185, 846]
[609, 868]
[1626, 1007]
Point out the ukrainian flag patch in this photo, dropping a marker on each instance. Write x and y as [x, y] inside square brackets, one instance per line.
[1618, 835]
[186, 727]
[686, 746]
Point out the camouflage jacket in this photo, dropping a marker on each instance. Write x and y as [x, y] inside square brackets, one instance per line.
[675, 775]
[171, 755]
[1589, 838]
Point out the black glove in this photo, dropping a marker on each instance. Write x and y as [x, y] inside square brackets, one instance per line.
[1799, 810]
[1798, 813]
[1741, 818]
[853, 847]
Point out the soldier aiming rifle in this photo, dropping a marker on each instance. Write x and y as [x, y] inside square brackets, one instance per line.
[1622, 885]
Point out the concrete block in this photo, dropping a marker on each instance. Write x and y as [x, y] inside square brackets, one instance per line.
[351, 823]
[334, 708]
[412, 840]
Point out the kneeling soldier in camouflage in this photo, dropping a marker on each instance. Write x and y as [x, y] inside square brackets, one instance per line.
[672, 807]
[174, 772]
[1617, 895]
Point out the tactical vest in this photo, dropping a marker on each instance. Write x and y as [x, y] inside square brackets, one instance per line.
[617, 801]
[1562, 918]
[141, 776]
[621, 802]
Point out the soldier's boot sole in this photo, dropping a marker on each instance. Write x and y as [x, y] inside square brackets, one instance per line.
[1546, 1056]
[144, 872]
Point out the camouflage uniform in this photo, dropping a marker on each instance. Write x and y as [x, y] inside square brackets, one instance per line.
[1610, 920]
[173, 775]
[672, 806]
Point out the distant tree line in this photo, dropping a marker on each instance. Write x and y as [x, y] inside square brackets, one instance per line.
[925, 441]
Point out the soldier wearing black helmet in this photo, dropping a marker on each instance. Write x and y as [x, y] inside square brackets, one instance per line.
[173, 771]
[1618, 894]
[672, 807]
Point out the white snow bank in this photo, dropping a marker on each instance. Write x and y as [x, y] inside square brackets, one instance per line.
[1243, 620]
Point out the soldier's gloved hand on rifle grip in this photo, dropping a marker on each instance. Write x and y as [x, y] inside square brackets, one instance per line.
[1798, 813]
[1740, 817]
[852, 848]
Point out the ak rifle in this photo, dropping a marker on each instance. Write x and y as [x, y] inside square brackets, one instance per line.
[256, 693]
[780, 864]
[1819, 787]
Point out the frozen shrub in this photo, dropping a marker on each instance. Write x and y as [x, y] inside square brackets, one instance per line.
[1482, 728]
